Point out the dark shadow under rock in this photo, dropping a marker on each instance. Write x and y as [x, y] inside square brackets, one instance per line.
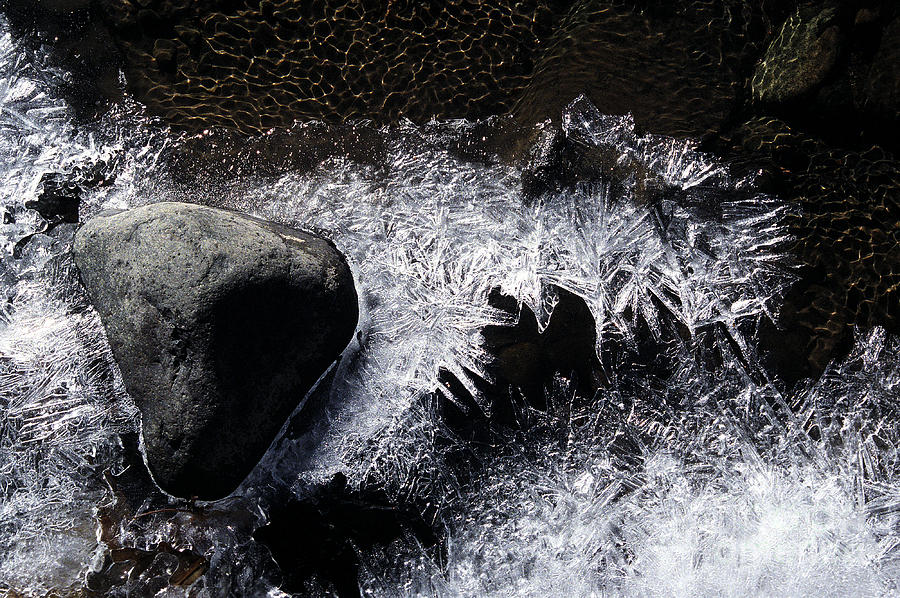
[315, 541]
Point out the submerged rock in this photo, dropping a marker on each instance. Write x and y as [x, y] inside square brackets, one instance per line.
[220, 323]
[800, 57]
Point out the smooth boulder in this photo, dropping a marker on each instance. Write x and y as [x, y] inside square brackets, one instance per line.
[220, 323]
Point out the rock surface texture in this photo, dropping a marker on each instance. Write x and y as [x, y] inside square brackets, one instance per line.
[220, 323]
[800, 58]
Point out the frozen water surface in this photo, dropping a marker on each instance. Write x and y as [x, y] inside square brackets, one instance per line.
[690, 476]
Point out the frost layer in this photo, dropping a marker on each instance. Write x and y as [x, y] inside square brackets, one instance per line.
[720, 495]
[62, 403]
[430, 236]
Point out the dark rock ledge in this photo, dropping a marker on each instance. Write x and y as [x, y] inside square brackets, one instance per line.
[220, 324]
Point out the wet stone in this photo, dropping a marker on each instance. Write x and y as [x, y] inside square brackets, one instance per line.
[800, 57]
[220, 323]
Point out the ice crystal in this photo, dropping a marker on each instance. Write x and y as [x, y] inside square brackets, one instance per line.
[430, 236]
[62, 403]
[625, 496]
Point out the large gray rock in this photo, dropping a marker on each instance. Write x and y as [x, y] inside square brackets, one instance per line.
[220, 323]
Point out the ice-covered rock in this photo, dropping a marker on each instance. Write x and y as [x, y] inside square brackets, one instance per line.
[220, 323]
